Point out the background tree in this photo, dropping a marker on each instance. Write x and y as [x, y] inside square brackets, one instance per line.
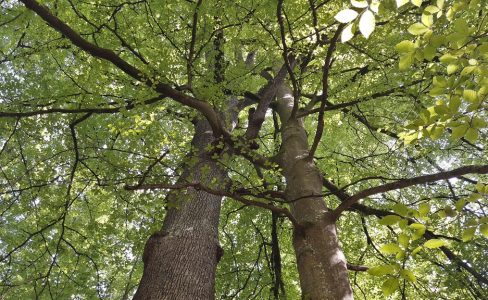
[299, 122]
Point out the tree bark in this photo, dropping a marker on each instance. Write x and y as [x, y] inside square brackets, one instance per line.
[180, 260]
[321, 263]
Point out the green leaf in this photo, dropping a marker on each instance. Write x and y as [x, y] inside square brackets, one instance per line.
[405, 61]
[454, 104]
[427, 19]
[484, 230]
[459, 131]
[471, 135]
[470, 95]
[417, 226]
[460, 204]
[403, 240]
[367, 23]
[448, 58]
[437, 132]
[452, 68]
[390, 248]
[382, 270]
[400, 209]
[389, 220]
[417, 29]
[474, 197]
[468, 70]
[416, 250]
[405, 47]
[478, 122]
[424, 209]
[468, 234]
[408, 275]
[434, 243]
[390, 286]
[431, 9]
[346, 15]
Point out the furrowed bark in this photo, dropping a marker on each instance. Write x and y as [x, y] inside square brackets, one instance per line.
[321, 263]
[181, 259]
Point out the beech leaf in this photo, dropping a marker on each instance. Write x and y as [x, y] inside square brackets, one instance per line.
[346, 15]
[367, 23]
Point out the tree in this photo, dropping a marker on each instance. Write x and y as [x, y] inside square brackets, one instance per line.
[347, 139]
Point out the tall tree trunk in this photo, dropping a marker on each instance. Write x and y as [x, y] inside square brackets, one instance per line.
[321, 262]
[180, 260]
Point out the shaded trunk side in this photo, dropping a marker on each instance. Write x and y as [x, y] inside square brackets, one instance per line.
[321, 262]
[180, 260]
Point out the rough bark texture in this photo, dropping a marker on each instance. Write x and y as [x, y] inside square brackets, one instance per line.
[321, 262]
[181, 259]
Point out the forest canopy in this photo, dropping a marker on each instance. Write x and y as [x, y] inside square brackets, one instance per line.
[247, 149]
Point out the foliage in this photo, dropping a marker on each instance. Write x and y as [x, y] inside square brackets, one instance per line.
[406, 97]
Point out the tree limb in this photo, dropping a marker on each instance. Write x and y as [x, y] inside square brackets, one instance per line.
[107, 54]
[400, 184]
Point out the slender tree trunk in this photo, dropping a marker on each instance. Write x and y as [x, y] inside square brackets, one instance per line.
[321, 262]
[180, 260]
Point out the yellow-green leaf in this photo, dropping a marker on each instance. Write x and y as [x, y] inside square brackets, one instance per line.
[471, 135]
[434, 243]
[484, 230]
[417, 2]
[403, 240]
[417, 29]
[408, 275]
[390, 248]
[468, 234]
[382, 270]
[424, 209]
[470, 95]
[417, 226]
[405, 47]
[447, 58]
[459, 131]
[389, 220]
[416, 250]
[405, 61]
[452, 68]
[460, 204]
[427, 19]
[390, 286]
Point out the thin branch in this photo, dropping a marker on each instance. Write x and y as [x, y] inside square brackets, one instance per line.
[325, 91]
[356, 268]
[191, 51]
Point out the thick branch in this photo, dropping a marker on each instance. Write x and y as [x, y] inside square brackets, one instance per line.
[198, 186]
[483, 169]
[266, 95]
[107, 54]
[343, 196]
[92, 110]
